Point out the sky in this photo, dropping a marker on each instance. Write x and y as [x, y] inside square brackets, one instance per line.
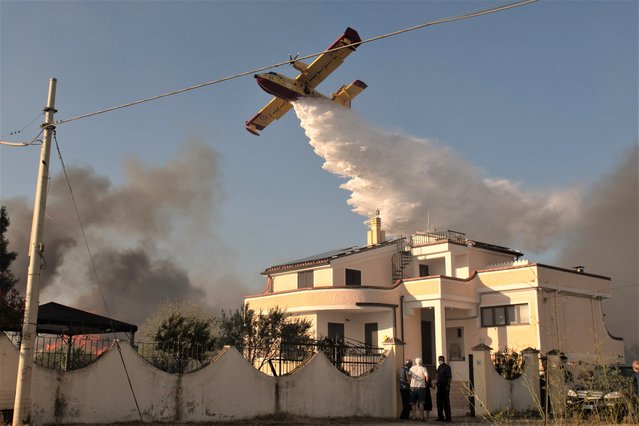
[527, 117]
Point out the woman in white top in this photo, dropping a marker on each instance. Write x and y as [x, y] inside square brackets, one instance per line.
[418, 387]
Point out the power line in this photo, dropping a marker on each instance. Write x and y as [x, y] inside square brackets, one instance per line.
[31, 142]
[290, 61]
[15, 132]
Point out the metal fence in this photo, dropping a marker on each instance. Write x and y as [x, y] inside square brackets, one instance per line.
[65, 353]
[351, 358]
[176, 357]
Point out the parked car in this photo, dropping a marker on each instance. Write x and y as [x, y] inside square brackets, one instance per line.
[603, 391]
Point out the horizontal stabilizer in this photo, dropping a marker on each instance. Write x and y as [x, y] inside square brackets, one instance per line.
[346, 93]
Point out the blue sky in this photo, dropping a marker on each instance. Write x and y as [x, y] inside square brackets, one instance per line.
[543, 95]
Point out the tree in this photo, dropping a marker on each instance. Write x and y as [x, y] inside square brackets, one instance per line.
[11, 304]
[259, 335]
[182, 335]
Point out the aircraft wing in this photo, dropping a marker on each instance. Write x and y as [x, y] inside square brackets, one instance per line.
[272, 111]
[328, 62]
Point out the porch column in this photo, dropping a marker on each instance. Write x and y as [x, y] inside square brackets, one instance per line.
[439, 313]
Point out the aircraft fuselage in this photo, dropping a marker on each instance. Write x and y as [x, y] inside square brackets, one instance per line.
[284, 87]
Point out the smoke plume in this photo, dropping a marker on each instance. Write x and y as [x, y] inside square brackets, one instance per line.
[605, 238]
[411, 179]
[146, 237]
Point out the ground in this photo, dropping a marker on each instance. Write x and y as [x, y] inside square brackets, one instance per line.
[370, 421]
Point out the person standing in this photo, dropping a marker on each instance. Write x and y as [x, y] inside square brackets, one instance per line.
[404, 388]
[418, 380]
[444, 379]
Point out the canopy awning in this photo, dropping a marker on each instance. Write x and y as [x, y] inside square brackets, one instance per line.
[54, 318]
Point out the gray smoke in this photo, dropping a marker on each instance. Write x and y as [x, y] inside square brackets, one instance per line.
[146, 235]
[605, 238]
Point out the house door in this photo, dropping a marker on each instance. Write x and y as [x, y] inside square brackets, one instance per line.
[370, 334]
[427, 343]
[336, 330]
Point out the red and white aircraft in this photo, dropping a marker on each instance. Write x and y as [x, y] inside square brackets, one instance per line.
[287, 90]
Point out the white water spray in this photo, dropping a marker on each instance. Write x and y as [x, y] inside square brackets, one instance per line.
[407, 178]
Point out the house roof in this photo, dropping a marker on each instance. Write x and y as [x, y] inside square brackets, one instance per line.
[324, 258]
[54, 318]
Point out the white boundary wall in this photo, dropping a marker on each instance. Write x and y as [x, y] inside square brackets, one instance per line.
[229, 388]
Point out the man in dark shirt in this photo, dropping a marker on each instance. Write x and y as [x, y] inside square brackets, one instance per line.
[444, 378]
[404, 388]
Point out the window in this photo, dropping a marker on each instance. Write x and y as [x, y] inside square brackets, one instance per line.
[353, 277]
[423, 270]
[504, 315]
[305, 279]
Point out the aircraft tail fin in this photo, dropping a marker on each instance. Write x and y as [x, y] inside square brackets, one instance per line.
[346, 93]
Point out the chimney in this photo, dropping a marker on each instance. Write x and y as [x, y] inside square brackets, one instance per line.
[375, 234]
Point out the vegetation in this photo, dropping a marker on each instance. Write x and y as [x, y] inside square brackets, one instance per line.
[508, 363]
[11, 304]
[259, 335]
[182, 335]
[186, 335]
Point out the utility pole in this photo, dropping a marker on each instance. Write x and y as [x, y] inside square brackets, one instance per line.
[22, 403]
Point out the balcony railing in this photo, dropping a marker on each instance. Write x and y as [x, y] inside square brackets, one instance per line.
[421, 239]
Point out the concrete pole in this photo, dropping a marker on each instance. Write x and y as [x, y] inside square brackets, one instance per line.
[22, 403]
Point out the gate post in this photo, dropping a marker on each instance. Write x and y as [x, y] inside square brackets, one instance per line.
[394, 349]
[531, 377]
[482, 366]
[556, 383]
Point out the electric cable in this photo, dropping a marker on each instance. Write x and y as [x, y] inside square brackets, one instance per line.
[95, 273]
[290, 61]
[15, 132]
[31, 142]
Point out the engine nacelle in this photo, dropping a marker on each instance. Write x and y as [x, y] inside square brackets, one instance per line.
[300, 66]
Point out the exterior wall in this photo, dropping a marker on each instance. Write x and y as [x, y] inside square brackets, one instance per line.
[574, 325]
[412, 333]
[517, 336]
[374, 264]
[319, 299]
[284, 282]
[354, 323]
[227, 389]
[323, 277]
[480, 259]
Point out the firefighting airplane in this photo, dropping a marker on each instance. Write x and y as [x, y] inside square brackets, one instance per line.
[287, 90]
